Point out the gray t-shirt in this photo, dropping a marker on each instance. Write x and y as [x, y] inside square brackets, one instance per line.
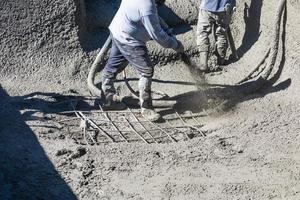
[137, 22]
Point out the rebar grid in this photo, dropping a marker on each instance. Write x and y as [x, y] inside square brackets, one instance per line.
[126, 126]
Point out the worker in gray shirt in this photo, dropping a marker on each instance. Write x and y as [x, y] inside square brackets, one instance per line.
[212, 12]
[135, 23]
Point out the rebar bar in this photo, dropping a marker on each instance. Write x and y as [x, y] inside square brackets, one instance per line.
[98, 120]
[113, 124]
[185, 123]
[133, 129]
[143, 127]
[96, 126]
[145, 131]
[98, 111]
[202, 114]
[197, 122]
[153, 124]
[176, 128]
[78, 114]
[84, 136]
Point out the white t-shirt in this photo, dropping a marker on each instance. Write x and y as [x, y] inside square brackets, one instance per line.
[137, 22]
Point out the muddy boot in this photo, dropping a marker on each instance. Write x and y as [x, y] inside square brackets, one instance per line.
[220, 58]
[147, 109]
[220, 52]
[203, 61]
[113, 102]
[150, 114]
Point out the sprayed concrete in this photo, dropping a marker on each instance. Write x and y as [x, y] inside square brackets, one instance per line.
[35, 34]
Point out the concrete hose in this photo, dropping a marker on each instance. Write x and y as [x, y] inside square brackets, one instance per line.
[272, 50]
[256, 69]
[161, 95]
[133, 92]
[96, 67]
[252, 84]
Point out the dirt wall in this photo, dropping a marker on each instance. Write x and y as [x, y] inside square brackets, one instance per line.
[49, 40]
[37, 37]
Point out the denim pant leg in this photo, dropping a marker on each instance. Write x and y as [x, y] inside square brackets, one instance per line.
[115, 64]
[139, 58]
[204, 28]
[222, 23]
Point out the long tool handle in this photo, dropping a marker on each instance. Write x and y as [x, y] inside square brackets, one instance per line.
[231, 43]
[229, 12]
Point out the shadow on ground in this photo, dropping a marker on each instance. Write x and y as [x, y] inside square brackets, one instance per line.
[220, 97]
[252, 15]
[25, 170]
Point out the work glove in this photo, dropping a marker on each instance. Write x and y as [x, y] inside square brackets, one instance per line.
[180, 47]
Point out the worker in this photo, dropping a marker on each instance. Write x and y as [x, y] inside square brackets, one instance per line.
[213, 13]
[135, 23]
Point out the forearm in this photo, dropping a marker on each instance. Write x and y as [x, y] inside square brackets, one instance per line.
[157, 33]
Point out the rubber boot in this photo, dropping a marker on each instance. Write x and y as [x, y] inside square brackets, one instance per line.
[221, 50]
[221, 54]
[203, 61]
[112, 100]
[147, 109]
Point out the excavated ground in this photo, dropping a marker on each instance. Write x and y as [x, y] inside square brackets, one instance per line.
[252, 146]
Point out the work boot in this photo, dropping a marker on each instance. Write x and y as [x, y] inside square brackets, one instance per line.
[220, 59]
[150, 114]
[203, 61]
[113, 102]
[146, 100]
[220, 52]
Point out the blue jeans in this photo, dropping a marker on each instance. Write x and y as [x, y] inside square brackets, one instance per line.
[120, 56]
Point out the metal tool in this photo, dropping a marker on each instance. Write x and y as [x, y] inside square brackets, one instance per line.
[229, 12]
